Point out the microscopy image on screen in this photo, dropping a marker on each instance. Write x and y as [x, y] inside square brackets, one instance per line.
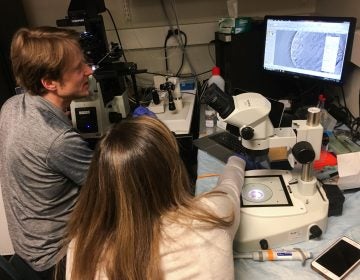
[315, 47]
[310, 51]
[282, 55]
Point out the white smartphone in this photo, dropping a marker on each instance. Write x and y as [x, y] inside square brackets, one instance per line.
[338, 260]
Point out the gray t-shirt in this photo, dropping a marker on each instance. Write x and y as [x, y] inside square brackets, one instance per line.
[43, 161]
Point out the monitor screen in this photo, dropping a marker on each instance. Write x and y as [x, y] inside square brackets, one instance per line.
[308, 46]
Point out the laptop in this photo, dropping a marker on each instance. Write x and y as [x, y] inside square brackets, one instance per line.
[224, 144]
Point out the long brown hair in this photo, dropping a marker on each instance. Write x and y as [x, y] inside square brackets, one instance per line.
[136, 178]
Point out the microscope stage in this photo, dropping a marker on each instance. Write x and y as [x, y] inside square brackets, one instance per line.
[275, 212]
[259, 191]
[179, 121]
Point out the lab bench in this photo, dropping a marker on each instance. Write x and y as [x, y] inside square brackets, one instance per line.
[337, 226]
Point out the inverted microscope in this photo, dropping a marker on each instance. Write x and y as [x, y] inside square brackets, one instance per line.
[108, 100]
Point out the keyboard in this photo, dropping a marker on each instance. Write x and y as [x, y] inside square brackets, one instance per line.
[229, 141]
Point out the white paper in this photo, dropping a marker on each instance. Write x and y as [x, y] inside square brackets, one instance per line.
[349, 170]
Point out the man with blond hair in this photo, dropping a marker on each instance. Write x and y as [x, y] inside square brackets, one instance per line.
[43, 160]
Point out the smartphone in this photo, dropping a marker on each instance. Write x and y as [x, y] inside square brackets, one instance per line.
[338, 260]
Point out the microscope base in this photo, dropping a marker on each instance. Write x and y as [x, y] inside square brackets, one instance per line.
[274, 213]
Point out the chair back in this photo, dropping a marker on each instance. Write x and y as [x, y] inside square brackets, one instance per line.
[23, 268]
[7, 271]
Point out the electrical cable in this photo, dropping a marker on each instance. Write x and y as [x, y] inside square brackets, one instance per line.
[183, 53]
[179, 39]
[103, 58]
[344, 116]
[158, 74]
[211, 57]
[343, 95]
[202, 73]
[306, 91]
[117, 33]
[167, 75]
[165, 51]
[171, 33]
[172, 3]
[203, 88]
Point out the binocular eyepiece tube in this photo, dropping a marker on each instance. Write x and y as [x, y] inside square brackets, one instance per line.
[219, 101]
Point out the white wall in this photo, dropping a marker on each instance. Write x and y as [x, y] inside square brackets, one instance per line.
[143, 26]
[350, 8]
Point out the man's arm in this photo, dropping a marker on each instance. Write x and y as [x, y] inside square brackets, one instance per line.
[71, 156]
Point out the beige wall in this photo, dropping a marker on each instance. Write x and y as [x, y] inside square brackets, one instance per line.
[148, 13]
[348, 8]
[143, 28]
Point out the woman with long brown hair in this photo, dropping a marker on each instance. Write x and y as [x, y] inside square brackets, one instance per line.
[137, 219]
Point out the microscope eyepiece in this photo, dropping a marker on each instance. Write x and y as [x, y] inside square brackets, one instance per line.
[219, 101]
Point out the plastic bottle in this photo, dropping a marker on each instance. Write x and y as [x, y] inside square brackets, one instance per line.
[321, 101]
[220, 82]
[326, 120]
[321, 106]
[216, 78]
[209, 116]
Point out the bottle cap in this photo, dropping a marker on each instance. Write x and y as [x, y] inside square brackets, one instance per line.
[322, 97]
[216, 70]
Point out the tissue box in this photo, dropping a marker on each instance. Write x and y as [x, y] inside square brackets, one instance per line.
[237, 25]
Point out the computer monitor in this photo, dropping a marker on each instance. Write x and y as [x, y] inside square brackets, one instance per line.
[308, 46]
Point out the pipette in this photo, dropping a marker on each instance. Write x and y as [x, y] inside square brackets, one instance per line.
[276, 255]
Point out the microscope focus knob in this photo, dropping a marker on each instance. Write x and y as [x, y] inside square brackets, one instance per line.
[264, 245]
[315, 232]
[247, 132]
[303, 152]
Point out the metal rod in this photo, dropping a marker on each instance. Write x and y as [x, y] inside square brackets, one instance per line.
[306, 172]
[313, 116]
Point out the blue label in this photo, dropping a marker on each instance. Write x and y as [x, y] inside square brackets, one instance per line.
[284, 254]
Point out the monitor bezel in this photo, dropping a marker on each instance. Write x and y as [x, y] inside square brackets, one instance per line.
[331, 19]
